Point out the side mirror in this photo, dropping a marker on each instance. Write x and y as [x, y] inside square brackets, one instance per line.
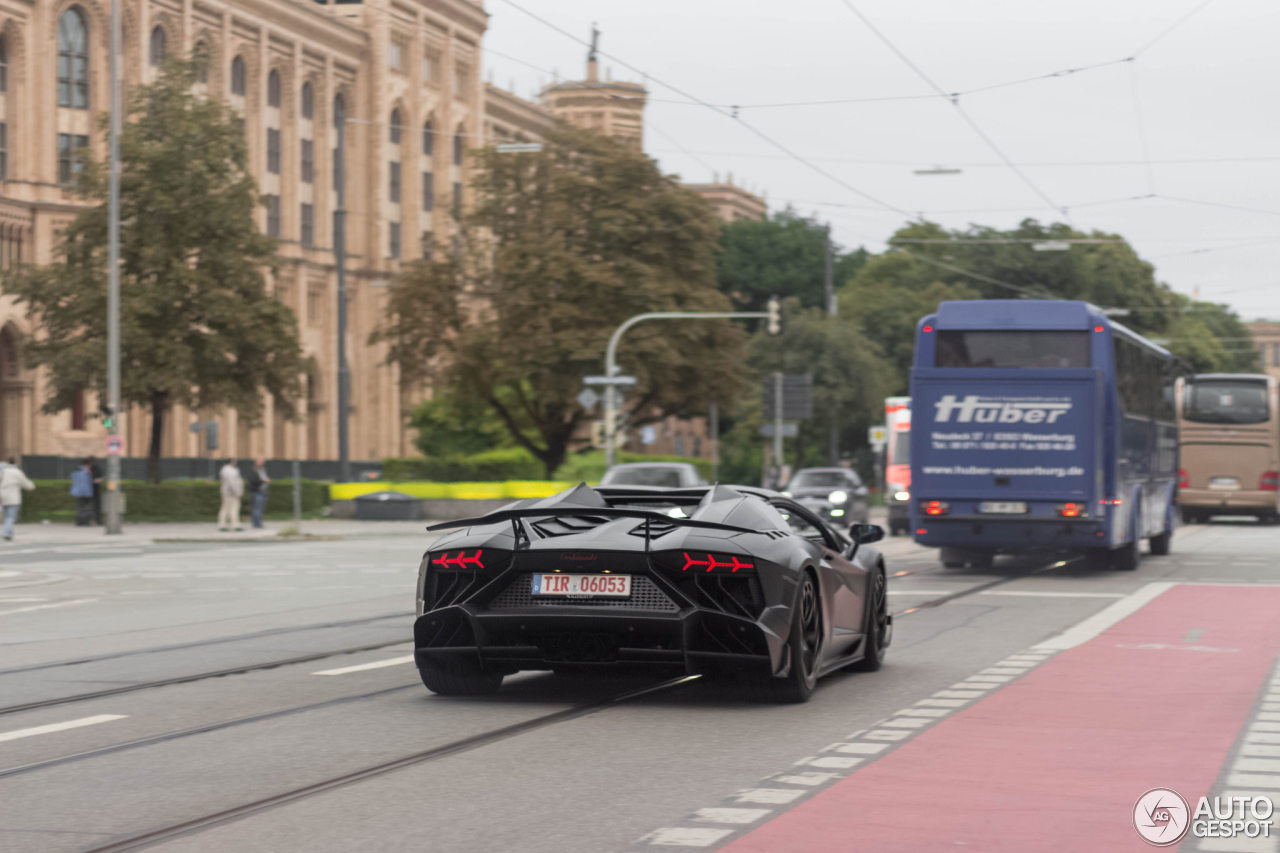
[865, 534]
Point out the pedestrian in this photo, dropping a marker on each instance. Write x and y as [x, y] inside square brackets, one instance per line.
[82, 491]
[232, 491]
[12, 484]
[96, 471]
[259, 484]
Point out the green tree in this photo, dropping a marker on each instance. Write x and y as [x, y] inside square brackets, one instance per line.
[197, 326]
[783, 256]
[559, 248]
[449, 427]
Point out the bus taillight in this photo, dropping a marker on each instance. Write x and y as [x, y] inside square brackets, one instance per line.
[936, 507]
[1270, 481]
[1071, 510]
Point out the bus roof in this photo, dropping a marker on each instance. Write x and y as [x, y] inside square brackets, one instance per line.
[1044, 314]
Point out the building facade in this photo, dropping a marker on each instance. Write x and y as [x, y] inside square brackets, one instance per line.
[1266, 340]
[404, 80]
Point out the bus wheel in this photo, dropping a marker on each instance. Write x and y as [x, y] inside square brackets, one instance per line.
[1160, 544]
[981, 559]
[1125, 559]
[952, 558]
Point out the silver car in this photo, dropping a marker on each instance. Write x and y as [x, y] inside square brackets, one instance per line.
[668, 475]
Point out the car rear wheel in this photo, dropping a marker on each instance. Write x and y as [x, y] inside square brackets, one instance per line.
[804, 650]
[879, 628]
[1161, 543]
[459, 678]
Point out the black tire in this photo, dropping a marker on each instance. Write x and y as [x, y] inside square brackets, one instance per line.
[952, 558]
[804, 651]
[1161, 543]
[1125, 559]
[879, 628]
[1190, 516]
[459, 678]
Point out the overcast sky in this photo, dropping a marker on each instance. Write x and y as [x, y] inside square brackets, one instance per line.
[1206, 91]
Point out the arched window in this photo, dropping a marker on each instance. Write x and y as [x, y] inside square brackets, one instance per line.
[238, 82]
[4, 65]
[308, 101]
[428, 139]
[157, 47]
[395, 127]
[273, 89]
[73, 59]
[200, 56]
[458, 145]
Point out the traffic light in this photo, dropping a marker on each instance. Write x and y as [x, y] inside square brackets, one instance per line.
[774, 323]
[108, 416]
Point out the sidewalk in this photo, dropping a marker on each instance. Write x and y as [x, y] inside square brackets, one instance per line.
[146, 533]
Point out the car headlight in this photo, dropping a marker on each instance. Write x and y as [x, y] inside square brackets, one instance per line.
[902, 496]
[839, 496]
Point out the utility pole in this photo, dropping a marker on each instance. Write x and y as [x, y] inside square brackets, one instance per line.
[113, 509]
[829, 287]
[713, 427]
[777, 427]
[340, 257]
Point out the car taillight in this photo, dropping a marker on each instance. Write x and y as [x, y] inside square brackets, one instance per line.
[724, 564]
[1270, 481]
[456, 560]
[935, 507]
[1072, 510]
[1184, 480]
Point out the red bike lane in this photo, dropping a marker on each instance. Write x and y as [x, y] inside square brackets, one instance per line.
[1057, 759]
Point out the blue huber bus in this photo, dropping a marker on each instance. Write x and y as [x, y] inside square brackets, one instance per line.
[1040, 425]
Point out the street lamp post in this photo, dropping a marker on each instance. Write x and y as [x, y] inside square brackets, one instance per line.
[113, 508]
[340, 258]
[612, 380]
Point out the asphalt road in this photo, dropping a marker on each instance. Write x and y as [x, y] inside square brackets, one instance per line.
[217, 695]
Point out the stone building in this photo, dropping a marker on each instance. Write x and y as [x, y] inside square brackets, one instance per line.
[407, 76]
[1266, 340]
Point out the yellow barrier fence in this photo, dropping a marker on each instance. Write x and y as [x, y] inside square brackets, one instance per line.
[509, 490]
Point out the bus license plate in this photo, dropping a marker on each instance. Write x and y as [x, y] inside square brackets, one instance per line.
[1224, 483]
[1003, 507]
[590, 586]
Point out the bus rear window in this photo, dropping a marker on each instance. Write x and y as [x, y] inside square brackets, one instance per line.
[1227, 401]
[1020, 348]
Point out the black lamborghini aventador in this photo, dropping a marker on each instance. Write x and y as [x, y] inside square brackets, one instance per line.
[726, 580]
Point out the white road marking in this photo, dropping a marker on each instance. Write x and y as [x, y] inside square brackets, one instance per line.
[774, 796]
[1260, 751]
[945, 703]
[1018, 593]
[1259, 765]
[835, 762]
[807, 779]
[1265, 727]
[973, 685]
[377, 664]
[1003, 670]
[14, 574]
[1254, 780]
[1101, 621]
[686, 836]
[7, 600]
[47, 606]
[923, 712]
[921, 591]
[958, 694]
[995, 679]
[885, 734]
[860, 748]
[1261, 737]
[58, 727]
[730, 815]
[1269, 716]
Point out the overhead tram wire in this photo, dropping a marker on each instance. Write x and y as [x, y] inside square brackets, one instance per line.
[722, 111]
[955, 102]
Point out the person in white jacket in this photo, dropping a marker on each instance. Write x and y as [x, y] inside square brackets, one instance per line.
[12, 484]
[232, 492]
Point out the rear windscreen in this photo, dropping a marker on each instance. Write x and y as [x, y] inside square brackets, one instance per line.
[667, 478]
[1042, 349]
[1226, 401]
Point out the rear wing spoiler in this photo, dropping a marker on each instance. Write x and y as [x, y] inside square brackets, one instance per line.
[648, 516]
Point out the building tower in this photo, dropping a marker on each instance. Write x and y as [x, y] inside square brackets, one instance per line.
[613, 108]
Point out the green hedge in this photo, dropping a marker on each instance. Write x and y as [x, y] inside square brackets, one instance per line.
[173, 500]
[507, 463]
